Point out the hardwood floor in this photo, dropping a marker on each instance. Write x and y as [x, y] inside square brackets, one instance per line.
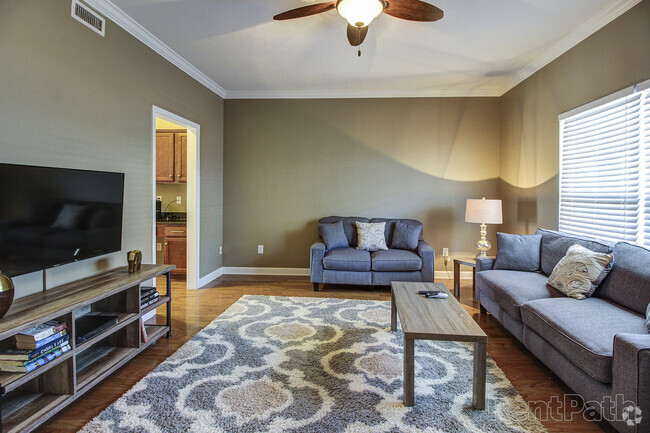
[192, 310]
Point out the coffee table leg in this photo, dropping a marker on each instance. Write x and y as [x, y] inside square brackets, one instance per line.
[480, 355]
[409, 372]
[456, 278]
[393, 311]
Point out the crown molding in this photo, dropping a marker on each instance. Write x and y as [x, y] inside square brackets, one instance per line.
[340, 94]
[591, 26]
[119, 17]
[595, 23]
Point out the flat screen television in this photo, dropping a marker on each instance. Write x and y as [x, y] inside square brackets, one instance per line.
[52, 216]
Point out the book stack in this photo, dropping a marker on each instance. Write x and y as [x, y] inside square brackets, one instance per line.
[148, 296]
[35, 347]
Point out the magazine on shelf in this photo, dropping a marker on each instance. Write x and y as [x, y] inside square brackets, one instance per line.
[15, 354]
[33, 365]
[41, 331]
[40, 343]
[147, 291]
[149, 302]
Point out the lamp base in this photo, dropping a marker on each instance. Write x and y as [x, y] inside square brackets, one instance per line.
[483, 245]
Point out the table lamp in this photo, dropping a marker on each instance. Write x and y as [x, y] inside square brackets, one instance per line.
[483, 212]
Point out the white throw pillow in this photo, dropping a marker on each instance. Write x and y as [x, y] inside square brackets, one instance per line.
[577, 274]
[371, 236]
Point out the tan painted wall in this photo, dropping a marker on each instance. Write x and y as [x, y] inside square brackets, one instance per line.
[290, 162]
[615, 57]
[70, 98]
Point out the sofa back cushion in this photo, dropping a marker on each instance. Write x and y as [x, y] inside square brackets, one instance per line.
[628, 283]
[349, 226]
[390, 226]
[555, 245]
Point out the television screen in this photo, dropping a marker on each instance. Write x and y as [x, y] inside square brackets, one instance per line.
[52, 216]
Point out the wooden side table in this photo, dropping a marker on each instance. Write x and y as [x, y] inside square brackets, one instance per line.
[467, 261]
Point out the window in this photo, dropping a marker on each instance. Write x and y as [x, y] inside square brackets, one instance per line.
[605, 167]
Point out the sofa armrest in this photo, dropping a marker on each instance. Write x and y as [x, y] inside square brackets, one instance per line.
[426, 253]
[317, 252]
[631, 381]
[484, 263]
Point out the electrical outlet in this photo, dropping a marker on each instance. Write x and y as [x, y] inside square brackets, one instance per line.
[260, 249]
[220, 250]
[159, 198]
[178, 199]
[158, 246]
[445, 252]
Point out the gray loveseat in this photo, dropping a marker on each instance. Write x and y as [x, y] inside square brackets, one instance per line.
[599, 346]
[352, 266]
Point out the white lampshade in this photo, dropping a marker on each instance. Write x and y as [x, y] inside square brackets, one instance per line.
[360, 13]
[483, 211]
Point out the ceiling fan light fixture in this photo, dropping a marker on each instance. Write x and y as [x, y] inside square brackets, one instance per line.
[359, 13]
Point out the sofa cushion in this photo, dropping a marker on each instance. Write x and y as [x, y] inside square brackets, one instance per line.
[347, 259]
[583, 331]
[628, 283]
[333, 235]
[390, 226]
[349, 226]
[405, 236]
[395, 260]
[371, 236]
[518, 252]
[579, 272]
[555, 245]
[512, 289]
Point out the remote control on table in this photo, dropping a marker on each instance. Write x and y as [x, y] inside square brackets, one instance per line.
[439, 295]
[428, 292]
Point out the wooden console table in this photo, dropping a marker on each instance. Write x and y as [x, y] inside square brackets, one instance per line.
[29, 399]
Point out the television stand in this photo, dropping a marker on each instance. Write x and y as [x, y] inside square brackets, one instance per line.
[30, 399]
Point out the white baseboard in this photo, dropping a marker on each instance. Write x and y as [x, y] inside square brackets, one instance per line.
[210, 277]
[236, 270]
[444, 275]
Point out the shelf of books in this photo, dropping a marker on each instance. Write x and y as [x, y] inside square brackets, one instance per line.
[52, 351]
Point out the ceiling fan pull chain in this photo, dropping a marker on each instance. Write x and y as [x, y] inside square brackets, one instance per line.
[359, 52]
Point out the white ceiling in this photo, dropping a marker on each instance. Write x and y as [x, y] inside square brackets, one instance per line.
[480, 47]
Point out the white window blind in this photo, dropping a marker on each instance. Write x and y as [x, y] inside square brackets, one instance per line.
[605, 168]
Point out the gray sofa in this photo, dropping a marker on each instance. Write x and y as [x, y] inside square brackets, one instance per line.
[352, 266]
[599, 346]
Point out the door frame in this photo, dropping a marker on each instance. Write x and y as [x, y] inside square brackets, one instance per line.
[193, 189]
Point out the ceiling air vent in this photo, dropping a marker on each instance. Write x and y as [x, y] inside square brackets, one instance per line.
[88, 17]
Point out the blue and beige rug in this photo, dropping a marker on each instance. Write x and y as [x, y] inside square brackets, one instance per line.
[280, 364]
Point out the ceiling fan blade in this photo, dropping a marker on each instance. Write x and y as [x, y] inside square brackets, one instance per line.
[413, 10]
[356, 35]
[306, 11]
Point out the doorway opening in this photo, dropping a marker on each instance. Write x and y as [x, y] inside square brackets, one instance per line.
[175, 194]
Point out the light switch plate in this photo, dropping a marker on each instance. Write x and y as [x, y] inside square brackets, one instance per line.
[260, 249]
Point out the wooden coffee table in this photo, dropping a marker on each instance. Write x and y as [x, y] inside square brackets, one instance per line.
[435, 319]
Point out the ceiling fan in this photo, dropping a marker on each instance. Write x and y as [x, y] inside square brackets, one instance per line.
[360, 13]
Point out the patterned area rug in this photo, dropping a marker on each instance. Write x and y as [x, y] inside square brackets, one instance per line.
[285, 364]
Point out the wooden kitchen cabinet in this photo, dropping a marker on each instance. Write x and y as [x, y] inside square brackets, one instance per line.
[175, 247]
[171, 156]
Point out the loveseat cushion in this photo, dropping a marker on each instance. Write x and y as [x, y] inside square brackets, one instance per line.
[390, 226]
[347, 259]
[556, 244]
[512, 289]
[628, 283]
[582, 330]
[395, 260]
[349, 226]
